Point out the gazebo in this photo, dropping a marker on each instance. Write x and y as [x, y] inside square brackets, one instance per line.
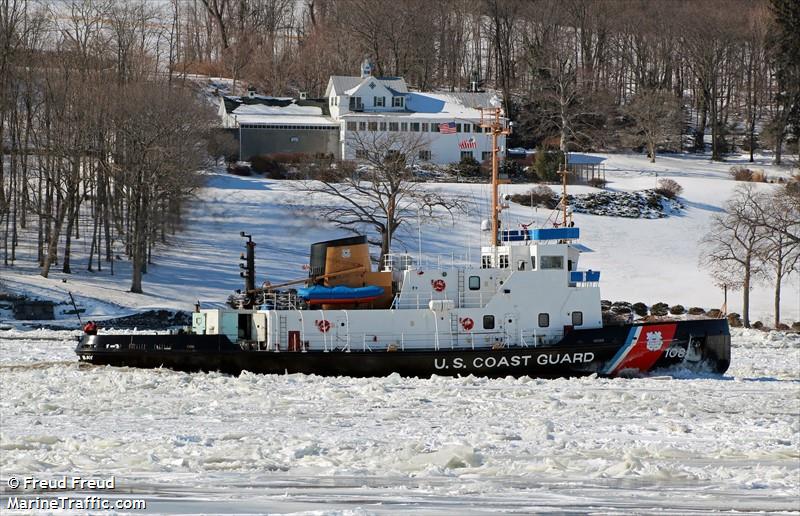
[584, 167]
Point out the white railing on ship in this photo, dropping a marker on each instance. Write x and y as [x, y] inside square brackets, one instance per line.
[402, 262]
[463, 300]
[376, 341]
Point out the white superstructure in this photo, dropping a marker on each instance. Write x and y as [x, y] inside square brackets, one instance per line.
[526, 292]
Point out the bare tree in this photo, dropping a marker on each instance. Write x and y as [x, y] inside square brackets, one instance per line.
[784, 47]
[780, 255]
[732, 245]
[657, 114]
[781, 216]
[381, 194]
[161, 131]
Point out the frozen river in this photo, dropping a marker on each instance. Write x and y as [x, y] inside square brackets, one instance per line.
[209, 443]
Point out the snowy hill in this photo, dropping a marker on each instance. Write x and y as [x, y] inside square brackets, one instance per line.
[648, 260]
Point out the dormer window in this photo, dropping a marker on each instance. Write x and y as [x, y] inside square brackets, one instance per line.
[379, 101]
[398, 101]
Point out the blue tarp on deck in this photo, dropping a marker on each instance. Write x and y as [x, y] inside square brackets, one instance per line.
[339, 292]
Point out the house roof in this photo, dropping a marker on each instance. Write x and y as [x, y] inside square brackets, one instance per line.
[261, 104]
[343, 83]
[437, 105]
[584, 159]
[279, 119]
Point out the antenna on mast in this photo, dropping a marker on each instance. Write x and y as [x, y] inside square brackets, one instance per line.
[491, 119]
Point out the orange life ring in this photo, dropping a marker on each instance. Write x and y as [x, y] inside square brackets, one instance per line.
[467, 323]
[324, 326]
[438, 285]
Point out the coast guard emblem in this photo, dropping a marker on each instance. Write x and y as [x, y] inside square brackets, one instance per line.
[654, 341]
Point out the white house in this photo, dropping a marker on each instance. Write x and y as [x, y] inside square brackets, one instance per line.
[445, 126]
[375, 104]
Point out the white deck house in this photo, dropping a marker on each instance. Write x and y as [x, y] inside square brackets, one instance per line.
[444, 127]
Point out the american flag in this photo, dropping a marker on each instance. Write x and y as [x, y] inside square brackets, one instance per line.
[447, 128]
[468, 144]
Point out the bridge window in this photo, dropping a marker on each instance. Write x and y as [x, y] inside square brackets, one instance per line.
[504, 261]
[551, 262]
[485, 262]
[533, 263]
[521, 265]
[474, 282]
[488, 322]
[544, 320]
[577, 318]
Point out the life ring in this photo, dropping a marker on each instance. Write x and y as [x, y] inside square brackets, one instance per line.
[467, 323]
[324, 325]
[438, 285]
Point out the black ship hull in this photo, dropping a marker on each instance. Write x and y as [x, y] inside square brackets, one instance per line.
[701, 345]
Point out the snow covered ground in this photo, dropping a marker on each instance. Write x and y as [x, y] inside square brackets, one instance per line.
[641, 260]
[216, 444]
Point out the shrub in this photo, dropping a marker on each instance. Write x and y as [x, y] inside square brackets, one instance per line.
[659, 309]
[539, 196]
[612, 319]
[639, 309]
[512, 169]
[654, 202]
[759, 176]
[796, 326]
[467, 167]
[782, 327]
[735, 320]
[268, 166]
[239, 170]
[714, 313]
[546, 164]
[605, 304]
[620, 304]
[290, 157]
[222, 144]
[758, 325]
[334, 172]
[741, 173]
[677, 310]
[669, 188]
[532, 176]
[598, 182]
[696, 310]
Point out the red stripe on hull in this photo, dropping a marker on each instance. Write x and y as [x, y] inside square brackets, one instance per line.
[649, 347]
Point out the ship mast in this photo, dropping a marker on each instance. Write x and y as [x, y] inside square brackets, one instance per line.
[490, 119]
[564, 203]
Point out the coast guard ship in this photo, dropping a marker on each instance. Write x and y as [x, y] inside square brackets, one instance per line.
[525, 309]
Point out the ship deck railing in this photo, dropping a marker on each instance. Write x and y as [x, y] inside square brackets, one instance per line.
[278, 301]
[442, 339]
[405, 262]
[422, 300]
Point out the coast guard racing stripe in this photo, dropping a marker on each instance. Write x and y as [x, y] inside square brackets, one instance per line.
[642, 349]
